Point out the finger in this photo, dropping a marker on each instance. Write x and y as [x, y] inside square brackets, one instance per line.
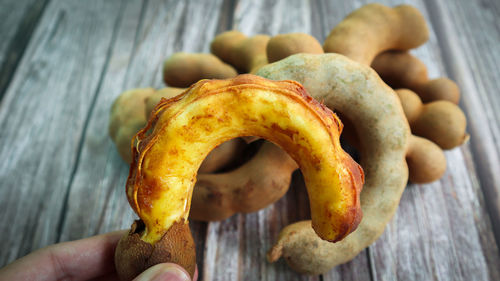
[164, 272]
[195, 277]
[77, 260]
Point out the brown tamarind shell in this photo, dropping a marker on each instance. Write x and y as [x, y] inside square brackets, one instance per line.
[133, 255]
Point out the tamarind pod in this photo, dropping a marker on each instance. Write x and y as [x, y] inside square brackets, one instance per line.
[127, 118]
[426, 160]
[153, 99]
[251, 187]
[411, 103]
[183, 69]
[439, 89]
[400, 69]
[375, 28]
[185, 128]
[442, 122]
[284, 45]
[247, 54]
[356, 91]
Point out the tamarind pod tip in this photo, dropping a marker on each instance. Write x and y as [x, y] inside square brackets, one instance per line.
[275, 253]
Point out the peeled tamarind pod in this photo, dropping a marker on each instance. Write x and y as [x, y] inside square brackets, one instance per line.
[249, 188]
[426, 161]
[284, 45]
[356, 91]
[184, 69]
[375, 28]
[185, 128]
[247, 54]
[442, 122]
[403, 70]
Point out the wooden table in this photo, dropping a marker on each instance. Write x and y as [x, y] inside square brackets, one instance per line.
[63, 62]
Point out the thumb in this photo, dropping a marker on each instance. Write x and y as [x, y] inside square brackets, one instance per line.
[164, 272]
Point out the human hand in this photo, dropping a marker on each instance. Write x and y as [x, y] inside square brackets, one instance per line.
[86, 259]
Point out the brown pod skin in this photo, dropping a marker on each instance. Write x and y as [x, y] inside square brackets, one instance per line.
[439, 117]
[183, 69]
[412, 105]
[247, 54]
[284, 45]
[133, 256]
[400, 69]
[442, 122]
[439, 89]
[375, 28]
[243, 190]
[426, 161]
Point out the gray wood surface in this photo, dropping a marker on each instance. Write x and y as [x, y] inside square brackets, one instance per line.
[62, 178]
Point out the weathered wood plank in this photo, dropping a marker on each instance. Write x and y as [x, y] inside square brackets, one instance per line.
[241, 253]
[146, 36]
[42, 119]
[257, 231]
[441, 231]
[470, 32]
[100, 175]
[433, 231]
[19, 19]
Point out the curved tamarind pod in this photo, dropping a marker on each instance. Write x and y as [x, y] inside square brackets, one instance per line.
[357, 92]
[375, 28]
[426, 161]
[401, 69]
[185, 128]
[442, 122]
[184, 69]
[247, 54]
[251, 187]
[284, 45]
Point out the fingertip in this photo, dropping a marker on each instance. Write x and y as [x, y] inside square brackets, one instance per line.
[164, 272]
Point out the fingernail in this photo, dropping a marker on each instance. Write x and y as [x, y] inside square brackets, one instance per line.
[164, 272]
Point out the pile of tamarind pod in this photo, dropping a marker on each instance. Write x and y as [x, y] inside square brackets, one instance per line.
[373, 38]
[437, 124]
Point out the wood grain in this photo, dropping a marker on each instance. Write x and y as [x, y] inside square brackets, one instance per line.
[445, 220]
[148, 33]
[19, 19]
[64, 179]
[43, 117]
[470, 33]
